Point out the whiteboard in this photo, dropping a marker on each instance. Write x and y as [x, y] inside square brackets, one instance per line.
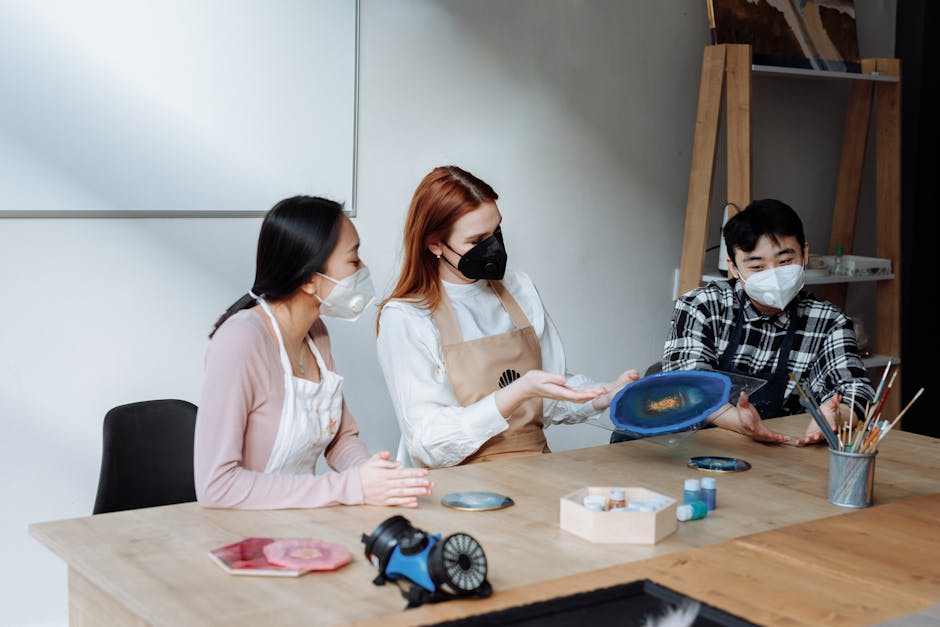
[200, 107]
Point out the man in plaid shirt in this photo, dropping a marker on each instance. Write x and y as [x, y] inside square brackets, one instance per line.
[759, 323]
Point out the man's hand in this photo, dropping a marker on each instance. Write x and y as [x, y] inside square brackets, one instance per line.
[751, 425]
[830, 410]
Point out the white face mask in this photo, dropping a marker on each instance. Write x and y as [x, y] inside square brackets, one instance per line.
[775, 287]
[350, 297]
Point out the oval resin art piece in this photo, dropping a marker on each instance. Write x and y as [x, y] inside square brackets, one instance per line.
[667, 402]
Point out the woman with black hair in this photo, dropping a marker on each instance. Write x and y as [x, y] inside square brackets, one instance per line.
[271, 401]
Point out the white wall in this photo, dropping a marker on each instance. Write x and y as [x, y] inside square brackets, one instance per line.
[580, 114]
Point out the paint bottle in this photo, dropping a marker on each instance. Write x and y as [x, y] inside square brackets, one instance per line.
[693, 491]
[617, 498]
[710, 492]
[838, 263]
[691, 511]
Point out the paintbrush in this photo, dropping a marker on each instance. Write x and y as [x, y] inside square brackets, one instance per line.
[847, 432]
[852, 417]
[884, 397]
[871, 412]
[884, 431]
[881, 384]
[870, 441]
[815, 412]
[860, 434]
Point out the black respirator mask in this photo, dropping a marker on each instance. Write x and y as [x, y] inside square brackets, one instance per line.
[486, 260]
[427, 567]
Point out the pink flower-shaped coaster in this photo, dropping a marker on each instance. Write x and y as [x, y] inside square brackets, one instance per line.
[306, 554]
[284, 557]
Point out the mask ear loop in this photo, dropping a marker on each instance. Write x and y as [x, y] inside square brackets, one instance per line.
[448, 260]
[316, 294]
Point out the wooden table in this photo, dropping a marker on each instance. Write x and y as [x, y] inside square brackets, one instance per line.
[152, 567]
[860, 568]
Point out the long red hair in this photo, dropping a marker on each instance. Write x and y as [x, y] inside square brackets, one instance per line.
[445, 195]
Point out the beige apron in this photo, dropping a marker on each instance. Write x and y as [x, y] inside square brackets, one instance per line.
[480, 367]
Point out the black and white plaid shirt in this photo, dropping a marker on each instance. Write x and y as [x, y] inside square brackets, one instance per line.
[824, 357]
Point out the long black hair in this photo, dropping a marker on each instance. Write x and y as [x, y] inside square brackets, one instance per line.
[297, 236]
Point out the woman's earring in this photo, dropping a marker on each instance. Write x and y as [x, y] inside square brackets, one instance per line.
[438, 255]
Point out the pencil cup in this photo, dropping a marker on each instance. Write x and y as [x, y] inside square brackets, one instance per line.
[851, 478]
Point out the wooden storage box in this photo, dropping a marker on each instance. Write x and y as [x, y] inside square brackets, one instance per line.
[623, 527]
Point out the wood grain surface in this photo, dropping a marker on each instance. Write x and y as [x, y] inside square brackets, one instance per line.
[153, 564]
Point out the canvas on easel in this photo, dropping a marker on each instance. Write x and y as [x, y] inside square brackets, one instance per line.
[812, 34]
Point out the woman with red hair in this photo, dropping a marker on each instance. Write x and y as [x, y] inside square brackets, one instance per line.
[474, 365]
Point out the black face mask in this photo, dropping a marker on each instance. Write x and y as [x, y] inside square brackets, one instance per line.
[486, 260]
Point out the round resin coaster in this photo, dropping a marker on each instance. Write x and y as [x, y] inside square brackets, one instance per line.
[718, 464]
[476, 501]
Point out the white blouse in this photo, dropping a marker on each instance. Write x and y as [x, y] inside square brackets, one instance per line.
[436, 430]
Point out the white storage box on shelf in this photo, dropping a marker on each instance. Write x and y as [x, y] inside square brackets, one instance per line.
[632, 527]
[858, 266]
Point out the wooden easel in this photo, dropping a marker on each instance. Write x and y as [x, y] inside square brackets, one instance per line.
[727, 69]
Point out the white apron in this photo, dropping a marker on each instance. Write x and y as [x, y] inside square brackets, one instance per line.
[310, 416]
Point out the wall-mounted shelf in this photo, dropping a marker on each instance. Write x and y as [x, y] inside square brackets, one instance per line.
[872, 361]
[774, 70]
[830, 279]
[880, 361]
[875, 96]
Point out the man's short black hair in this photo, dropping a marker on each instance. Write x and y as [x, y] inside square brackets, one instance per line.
[762, 217]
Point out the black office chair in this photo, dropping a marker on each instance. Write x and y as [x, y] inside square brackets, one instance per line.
[147, 456]
[622, 436]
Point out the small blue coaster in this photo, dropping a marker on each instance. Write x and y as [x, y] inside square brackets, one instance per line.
[719, 464]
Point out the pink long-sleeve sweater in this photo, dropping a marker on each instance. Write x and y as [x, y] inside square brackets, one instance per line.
[237, 422]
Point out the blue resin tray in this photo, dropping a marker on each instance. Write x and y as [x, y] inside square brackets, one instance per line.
[667, 402]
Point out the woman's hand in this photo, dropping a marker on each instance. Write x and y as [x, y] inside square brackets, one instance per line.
[602, 402]
[830, 411]
[541, 384]
[384, 482]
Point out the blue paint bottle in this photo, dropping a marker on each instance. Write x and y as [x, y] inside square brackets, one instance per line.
[710, 492]
[692, 492]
